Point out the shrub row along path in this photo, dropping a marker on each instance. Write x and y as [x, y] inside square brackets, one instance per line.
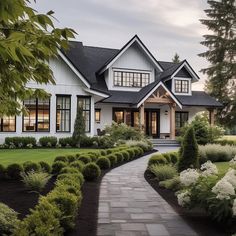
[128, 206]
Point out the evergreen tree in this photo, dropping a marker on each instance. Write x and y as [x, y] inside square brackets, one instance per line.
[79, 127]
[176, 58]
[221, 53]
[189, 151]
[27, 41]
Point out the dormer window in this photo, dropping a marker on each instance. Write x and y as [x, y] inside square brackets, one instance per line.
[181, 86]
[131, 79]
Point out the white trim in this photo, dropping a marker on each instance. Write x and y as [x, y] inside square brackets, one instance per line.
[96, 93]
[80, 76]
[189, 69]
[154, 89]
[189, 86]
[135, 39]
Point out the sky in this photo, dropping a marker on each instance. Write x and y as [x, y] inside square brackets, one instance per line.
[166, 27]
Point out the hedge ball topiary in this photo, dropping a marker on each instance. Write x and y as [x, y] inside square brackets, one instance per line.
[61, 158]
[71, 158]
[112, 159]
[157, 159]
[125, 155]
[104, 163]
[45, 166]
[13, 171]
[77, 164]
[57, 166]
[119, 157]
[91, 171]
[31, 166]
[85, 158]
[69, 170]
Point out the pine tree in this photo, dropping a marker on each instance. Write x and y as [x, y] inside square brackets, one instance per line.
[176, 58]
[79, 127]
[221, 54]
[189, 151]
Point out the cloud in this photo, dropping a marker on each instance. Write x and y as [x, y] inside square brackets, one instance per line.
[165, 27]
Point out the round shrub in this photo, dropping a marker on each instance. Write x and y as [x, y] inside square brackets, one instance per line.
[91, 171]
[57, 166]
[125, 155]
[167, 157]
[109, 151]
[85, 158]
[92, 156]
[103, 152]
[131, 153]
[77, 177]
[45, 166]
[71, 158]
[112, 159]
[174, 156]
[69, 185]
[141, 152]
[119, 157]
[2, 172]
[104, 163]
[29, 166]
[157, 159]
[61, 158]
[8, 220]
[136, 152]
[13, 171]
[77, 164]
[68, 170]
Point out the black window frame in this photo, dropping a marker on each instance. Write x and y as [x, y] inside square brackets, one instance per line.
[182, 123]
[99, 120]
[63, 95]
[84, 97]
[130, 80]
[36, 118]
[1, 125]
[180, 88]
[118, 110]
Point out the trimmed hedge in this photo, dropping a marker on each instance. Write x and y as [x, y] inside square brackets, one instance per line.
[57, 167]
[20, 142]
[104, 163]
[157, 159]
[45, 166]
[29, 166]
[13, 171]
[48, 141]
[91, 171]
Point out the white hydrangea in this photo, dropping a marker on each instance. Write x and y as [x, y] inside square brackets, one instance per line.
[234, 208]
[189, 176]
[184, 198]
[208, 168]
[230, 176]
[223, 189]
[232, 163]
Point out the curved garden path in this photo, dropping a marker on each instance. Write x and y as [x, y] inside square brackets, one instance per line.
[128, 206]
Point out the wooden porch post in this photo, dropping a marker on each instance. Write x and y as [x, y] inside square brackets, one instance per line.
[211, 117]
[172, 121]
[141, 118]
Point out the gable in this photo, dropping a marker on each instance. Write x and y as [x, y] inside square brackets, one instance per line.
[133, 58]
[183, 73]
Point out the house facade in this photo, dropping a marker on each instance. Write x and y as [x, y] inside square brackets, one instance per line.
[123, 85]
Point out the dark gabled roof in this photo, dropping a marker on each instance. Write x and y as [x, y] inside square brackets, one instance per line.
[198, 98]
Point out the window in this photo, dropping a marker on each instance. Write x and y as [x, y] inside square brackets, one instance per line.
[8, 124]
[181, 86]
[97, 115]
[38, 117]
[131, 79]
[118, 116]
[180, 119]
[63, 121]
[85, 103]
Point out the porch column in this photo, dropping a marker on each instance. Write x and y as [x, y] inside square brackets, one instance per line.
[211, 117]
[141, 117]
[172, 121]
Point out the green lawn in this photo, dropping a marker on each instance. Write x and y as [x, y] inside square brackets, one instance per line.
[229, 137]
[8, 156]
[222, 166]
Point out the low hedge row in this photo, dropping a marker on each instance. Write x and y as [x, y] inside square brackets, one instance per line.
[57, 211]
[225, 142]
[165, 158]
[13, 171]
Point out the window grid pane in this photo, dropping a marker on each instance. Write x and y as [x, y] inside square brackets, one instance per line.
[181, 86]
[63, 113]
[8, 124]
[85, 103]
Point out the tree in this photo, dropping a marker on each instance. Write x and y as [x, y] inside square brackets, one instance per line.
[221, 53]
[27, 41]
[176, 58]
[189, 151]
[79, 127]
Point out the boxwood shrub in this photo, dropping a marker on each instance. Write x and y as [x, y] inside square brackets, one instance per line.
[20, 142]
[57, 166]
[125, 155]
[45, 166]
[119, 157]
[112, 159]
[2, 171]
[13, 171]
[157, 159]
[85, 158]
[77, 164]
[69, 170]
[66, 142]
[61, 158]
[91, 171]
[29, 166]
[76, 177]
[48, 141]
[71, 158]
[103, 162]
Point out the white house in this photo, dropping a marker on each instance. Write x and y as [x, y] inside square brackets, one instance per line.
[127, 85]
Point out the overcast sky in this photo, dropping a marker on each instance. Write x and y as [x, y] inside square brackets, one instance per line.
[165, 26]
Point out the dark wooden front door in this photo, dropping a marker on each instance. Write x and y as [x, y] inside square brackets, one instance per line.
[152, 123]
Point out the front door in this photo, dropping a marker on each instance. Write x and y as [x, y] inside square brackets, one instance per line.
[152, 123]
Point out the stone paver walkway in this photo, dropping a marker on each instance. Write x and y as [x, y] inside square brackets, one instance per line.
[128, 206]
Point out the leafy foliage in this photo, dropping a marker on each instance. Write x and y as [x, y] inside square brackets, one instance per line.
[91, 171]
[163, 172]
[13, 171]
[28, 41]
[221, 55]
[104, 163]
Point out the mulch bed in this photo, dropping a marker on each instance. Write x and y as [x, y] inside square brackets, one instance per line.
[196, 218]
[88, 213]
[14, 194]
